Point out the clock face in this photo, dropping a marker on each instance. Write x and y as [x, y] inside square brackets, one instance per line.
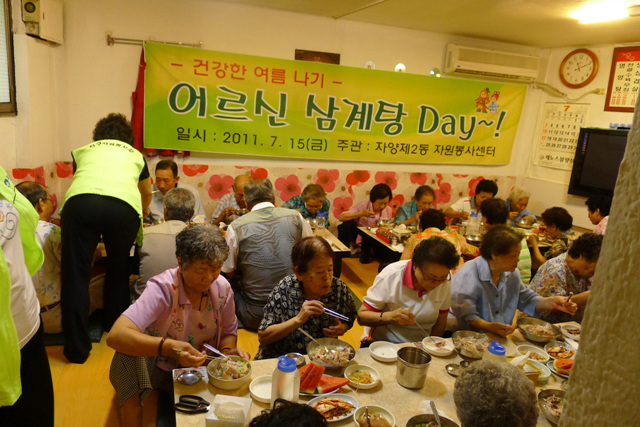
[578, 68]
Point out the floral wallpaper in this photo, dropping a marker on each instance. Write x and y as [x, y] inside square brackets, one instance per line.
[344, 187]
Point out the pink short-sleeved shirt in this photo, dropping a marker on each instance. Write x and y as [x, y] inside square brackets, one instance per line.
[164, 310]
[369, 221]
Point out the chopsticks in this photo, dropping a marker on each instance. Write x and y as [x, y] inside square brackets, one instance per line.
[335, 314]
[180, 351]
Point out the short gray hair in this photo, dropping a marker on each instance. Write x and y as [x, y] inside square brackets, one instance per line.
[519, 193]
[180, 204]
[201, 242]
[314, 191]
[489, 393]
[258, 190]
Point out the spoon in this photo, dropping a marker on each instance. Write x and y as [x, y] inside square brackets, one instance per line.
[453, 369]
[189, 377]
[215, 350]
[314, 340]
[367, 416]
[435, 412]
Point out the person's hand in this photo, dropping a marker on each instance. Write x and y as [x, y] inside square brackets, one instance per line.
[228, 211]
[238, 352]
[513, 214]
[465, 215]
[532, 239]
[501, 329]
[145, 212]
[557, 303]
[367, 212]
[309, 308]
[336, 330]
[416, 217]
[402, 317]
[185, 354]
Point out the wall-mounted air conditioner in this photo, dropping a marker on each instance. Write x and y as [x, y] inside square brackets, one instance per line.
[484, 63]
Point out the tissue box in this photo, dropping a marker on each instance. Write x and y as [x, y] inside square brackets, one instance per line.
[229, 411]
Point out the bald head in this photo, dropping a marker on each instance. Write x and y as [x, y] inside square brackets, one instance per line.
[238, 189]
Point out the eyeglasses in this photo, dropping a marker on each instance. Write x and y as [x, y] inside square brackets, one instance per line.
[433, 279]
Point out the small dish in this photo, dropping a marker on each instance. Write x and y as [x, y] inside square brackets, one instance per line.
[565, 352]
[541, 355]
[344, 397]
[571, 331]
[374, 409]
[374, 375]
[260, 389]
[384, 351]
[545, 372]
[434, 350]
[299, 358]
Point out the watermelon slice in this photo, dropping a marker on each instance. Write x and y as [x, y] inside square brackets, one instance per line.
[304, 371]
[312, 379]
[328, 384]
[563, 366]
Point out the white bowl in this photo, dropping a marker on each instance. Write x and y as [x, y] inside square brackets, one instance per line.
[565, 331]
[260, 389]
[374, 374]
[431, 348]
[384, 351]
[545, 372]
[523, 349]
[374, 409]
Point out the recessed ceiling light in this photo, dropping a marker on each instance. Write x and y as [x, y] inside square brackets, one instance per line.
[600, 11]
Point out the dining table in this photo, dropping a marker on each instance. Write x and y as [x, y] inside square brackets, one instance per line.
[402, 402]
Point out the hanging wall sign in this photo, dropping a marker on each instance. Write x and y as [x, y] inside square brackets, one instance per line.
[201, 100]
[624, 79]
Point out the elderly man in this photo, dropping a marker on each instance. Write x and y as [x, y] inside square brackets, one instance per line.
[227, 205]
[260, 244]
[158, 252]
[570, 272]
[166, 179]
[464, 207]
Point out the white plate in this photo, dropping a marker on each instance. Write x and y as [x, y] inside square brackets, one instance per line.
[552, 369]
[374, 374]
[347, 398]
[567, 334]
[260, 389]
[559, 344]
[523, 349]
[384, 351]
[374, 409]
[431, 348]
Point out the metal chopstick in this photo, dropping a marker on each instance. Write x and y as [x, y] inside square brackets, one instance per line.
[338, 315]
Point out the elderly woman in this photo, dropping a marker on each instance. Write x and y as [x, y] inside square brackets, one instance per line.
[557, 222]
[517, 205]
[490, 393]
[411, 293]
[311, 202]
[598, 208]
[300, 299]
[487, 290]
[409, 213]
[365, 214]
[179, 311]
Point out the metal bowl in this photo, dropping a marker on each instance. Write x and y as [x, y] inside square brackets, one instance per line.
[386, 223]
[240, 211]
[426, 418]
[474, 239]
[542, 396]
[330, 343]
[459, 336]
[300, 360]
[524, 321]
[227, 384]
[524, 223]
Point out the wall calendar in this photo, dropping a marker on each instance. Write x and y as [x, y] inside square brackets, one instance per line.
[560, 129]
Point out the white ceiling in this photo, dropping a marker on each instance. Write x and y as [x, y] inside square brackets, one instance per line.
[537, 23]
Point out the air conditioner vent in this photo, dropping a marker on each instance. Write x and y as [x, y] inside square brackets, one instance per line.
[464, 60]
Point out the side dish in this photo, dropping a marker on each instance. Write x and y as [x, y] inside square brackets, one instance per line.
[333, 408]
[229, 369]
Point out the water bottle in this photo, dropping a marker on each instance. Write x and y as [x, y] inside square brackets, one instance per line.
[496, 352]
[474, 225]
[321, 219]
[285, 382]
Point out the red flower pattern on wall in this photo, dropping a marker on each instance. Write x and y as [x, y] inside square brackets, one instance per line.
[327, 179]
[259, 173]
[443, 192]
[389, 178]
[193, 170]
[419, 178]
[395, 203]
[289, 186]
[36, 173]
[341, 205]
[64, 169]
[473, 183]
[357, 177]
[219, 185]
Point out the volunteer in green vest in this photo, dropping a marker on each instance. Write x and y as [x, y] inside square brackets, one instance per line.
[109, 196]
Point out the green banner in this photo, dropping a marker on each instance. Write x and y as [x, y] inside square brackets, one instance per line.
[202, 100]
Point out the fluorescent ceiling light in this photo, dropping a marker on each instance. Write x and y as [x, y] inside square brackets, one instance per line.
[600, 11]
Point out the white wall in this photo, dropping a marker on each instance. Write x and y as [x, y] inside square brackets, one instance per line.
[73, 85]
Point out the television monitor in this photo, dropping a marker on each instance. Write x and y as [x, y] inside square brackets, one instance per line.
[597, 160]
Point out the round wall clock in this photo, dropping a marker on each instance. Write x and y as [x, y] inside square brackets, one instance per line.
[578, 68]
